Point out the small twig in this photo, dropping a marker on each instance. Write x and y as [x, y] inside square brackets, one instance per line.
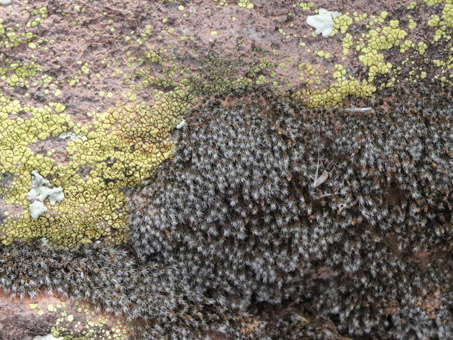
[315, 182]
[316, 174]
[359, 109]
[318, 181]
[327, 195]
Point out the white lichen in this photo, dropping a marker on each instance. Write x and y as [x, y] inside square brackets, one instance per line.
[72, 136]
[41, 190]
[37, 208]
[323, 22]
[181, 124]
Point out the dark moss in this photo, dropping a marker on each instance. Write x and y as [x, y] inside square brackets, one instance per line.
[242, 209]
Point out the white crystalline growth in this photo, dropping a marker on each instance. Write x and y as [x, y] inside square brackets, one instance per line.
[181, 124]
[71, 135]
[323, 22]
[40, 190]
[37, 208]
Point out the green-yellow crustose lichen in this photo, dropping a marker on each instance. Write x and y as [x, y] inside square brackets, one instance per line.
[19, 74]
[341, 24]
[245, 4]
[120, 147]
[116, 152]
[383, 34]
[89, 326]
[305, 5]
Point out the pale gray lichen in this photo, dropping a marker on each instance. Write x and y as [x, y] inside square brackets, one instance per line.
[72, 136]
[323, 22]
[6, 2]
[40, 190]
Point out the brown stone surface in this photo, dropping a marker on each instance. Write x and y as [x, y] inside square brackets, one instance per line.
[29, 317]
[18, 321]
[102, 50]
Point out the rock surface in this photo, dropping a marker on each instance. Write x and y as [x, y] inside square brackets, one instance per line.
[119, 76]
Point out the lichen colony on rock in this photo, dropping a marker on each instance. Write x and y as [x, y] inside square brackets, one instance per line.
[274, 221]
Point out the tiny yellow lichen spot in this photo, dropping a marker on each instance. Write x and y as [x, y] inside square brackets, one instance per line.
[306, 5]
[433, 21]
[394, 23]
[245, 4]
[59, 108]
[412, 5]
[84, 69]
[43, 135]
[261, 80]
[430, 3]
[422, 47]
[447, 14]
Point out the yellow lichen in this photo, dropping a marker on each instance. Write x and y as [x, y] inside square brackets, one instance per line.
[341, 24]
[115, 151]
[305, 5]
[245, 4]
[412, 5]
[432, 2]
